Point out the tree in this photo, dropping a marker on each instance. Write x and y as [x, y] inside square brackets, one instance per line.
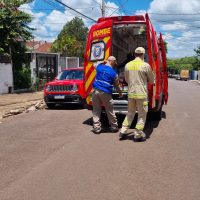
[13, 24]
[165, 45]
[72, 39]
[176, 65]
[197, 56]
[14, 31]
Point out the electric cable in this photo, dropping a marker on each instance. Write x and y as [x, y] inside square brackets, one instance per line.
[75, 10]
[119, 7]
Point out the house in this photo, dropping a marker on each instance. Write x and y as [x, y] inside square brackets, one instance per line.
[43, 63]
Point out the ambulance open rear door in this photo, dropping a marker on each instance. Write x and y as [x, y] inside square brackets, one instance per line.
[98, 48]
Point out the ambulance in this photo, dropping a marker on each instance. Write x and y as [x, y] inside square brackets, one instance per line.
[120, 36]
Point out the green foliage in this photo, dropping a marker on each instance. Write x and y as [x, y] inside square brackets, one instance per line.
[165, 45]
[21, 68]
[13, 24]
[197, 51]
[176, 65]
[197, 56]
[22, 78]
[14, 31]
[72, 39]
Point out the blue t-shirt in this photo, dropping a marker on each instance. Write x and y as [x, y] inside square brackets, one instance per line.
[105, 77]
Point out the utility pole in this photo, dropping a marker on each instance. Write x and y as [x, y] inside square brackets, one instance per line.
[103, 8]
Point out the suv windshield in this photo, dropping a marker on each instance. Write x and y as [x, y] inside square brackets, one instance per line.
[71, 75]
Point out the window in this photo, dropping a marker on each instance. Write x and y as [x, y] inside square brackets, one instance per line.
[71, 75]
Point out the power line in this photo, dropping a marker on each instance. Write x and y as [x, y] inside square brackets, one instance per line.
[55, 6]
[180, 40]
[163, 21]
[176, 20]
[40, 9]
[179, 36]
[175, 13]
[122, 6]
[119, 7]
[96, 2]
[75, 10]
[52, 4]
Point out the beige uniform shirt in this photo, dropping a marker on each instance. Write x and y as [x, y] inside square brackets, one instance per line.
[137, 74]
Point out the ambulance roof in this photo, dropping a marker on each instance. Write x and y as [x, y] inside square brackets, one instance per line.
[121, 19]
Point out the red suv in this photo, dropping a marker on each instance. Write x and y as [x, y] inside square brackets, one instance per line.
[66, 88]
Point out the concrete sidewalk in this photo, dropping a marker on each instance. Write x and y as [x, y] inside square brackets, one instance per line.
[18, 100]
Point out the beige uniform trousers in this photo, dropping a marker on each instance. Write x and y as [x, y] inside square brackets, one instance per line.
[100, 98]
[141, 105]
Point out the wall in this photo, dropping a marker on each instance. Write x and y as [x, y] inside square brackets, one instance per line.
[6, 77]
[72, 62]
[68, 62]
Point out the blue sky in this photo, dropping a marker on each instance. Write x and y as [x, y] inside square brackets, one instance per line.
[179, 21]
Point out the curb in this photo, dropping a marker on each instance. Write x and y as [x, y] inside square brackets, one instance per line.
[12, 103]
[194, 81]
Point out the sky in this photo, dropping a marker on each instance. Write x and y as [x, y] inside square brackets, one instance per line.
[177, 20]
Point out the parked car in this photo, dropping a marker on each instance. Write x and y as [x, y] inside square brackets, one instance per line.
[176, 76]
[67, 88]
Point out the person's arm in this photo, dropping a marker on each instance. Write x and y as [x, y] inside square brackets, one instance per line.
[116, 84]
[150, 75]
[126, 76]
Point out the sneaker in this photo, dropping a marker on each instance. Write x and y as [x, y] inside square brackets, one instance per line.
[139, 136]
[122, 136]
[96, 131]
[114, 130]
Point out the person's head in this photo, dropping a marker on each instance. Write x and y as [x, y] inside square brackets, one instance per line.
[139, 52]
[111, 61]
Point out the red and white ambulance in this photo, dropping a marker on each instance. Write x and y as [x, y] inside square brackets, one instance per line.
[119, 36]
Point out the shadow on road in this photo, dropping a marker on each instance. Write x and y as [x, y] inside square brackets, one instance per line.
[150, 125]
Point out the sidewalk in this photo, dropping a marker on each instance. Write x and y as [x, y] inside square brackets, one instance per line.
[15, 101]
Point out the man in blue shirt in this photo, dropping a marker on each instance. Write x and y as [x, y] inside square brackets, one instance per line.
[106, 78]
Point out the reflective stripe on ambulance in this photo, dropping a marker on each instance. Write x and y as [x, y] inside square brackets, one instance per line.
[90, 71]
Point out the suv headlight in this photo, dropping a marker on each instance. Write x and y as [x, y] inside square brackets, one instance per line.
[48, 88]
[75, 88]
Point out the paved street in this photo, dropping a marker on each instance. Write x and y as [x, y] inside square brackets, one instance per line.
[51, 154]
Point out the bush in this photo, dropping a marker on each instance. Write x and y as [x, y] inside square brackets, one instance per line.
[22, 78]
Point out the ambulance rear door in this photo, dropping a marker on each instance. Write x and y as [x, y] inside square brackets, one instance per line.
[154, 90]
[164, 70]
[98, 49]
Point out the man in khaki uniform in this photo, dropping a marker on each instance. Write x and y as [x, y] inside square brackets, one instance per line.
[137, 74]
[106, 78]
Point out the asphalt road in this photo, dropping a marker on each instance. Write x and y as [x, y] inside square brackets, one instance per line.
[51, 154]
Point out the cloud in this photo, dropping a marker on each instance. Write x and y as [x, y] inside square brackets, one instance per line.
[56, 20]
[180, 21]
[177, 20]
[49, 25]
[174, 26]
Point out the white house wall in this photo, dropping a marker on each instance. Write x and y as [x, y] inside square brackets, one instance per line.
[6, 77]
